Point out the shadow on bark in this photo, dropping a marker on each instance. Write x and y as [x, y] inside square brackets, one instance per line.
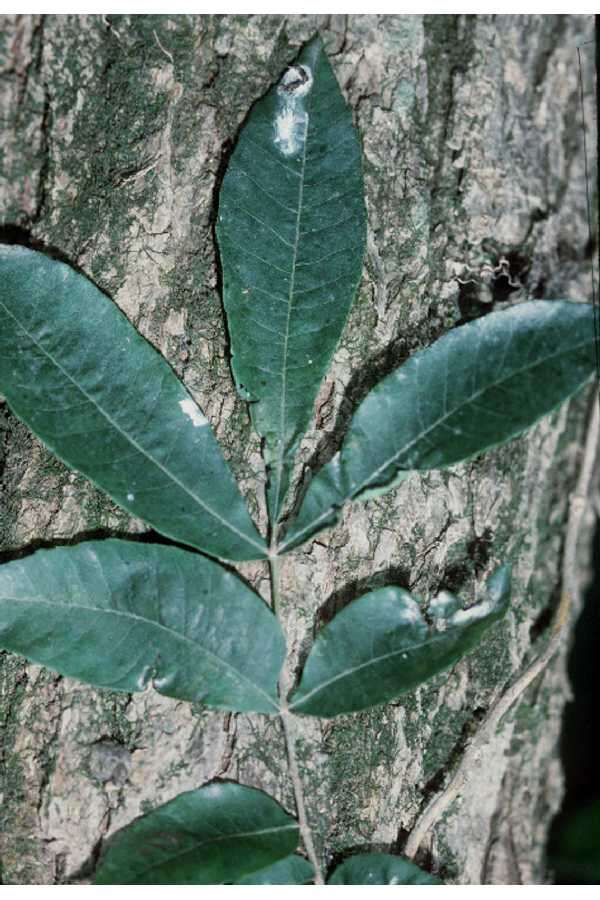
[574, 842]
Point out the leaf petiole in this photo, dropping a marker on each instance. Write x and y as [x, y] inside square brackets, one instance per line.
[287, 723]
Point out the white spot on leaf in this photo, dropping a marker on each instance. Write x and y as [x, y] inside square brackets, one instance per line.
[131, 497]
[194, 413]
[473, 613]
[411, 612]
[441, 609]
[296, 80]
[291, 121]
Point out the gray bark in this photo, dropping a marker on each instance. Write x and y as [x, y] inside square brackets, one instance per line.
[114, 133]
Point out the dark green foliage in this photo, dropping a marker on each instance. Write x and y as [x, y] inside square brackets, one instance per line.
[102, 399]
[476, 387]
[291, 870]
[214, 835]
[380, 868]
[124, 615]
[292, 232]
[381, 645]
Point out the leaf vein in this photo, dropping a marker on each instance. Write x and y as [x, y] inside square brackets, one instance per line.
[133, 441]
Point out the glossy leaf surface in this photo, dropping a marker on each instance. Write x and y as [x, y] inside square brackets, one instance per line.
[293, 869]
[380, 868]
[477, 386]
[102, 399]
[291, 231]
[124, 615]
[213, 835]
[381, 645]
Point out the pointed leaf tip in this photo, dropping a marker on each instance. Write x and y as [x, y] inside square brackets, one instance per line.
[478, 386]
[292, 231]
[381, 645]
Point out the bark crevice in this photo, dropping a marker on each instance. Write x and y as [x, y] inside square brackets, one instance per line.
[115, 134]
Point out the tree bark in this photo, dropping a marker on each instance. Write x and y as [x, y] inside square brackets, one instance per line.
[115, 133]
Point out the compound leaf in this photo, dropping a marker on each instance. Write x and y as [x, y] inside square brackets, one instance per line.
[474, 388]
[381, 645]
[380, 868]
[213, 835]
[124, 615]
[291, 229]
[293, 869]
[103, 400]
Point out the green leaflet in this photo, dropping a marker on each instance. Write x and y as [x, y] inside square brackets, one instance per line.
[381, 645]
[213, 835]
[293, 869]
[292, 231]
[380, 868]
[476, 387]
[124, 615]
[101, 398]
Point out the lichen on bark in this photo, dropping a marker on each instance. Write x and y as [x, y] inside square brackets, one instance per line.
[115, 132]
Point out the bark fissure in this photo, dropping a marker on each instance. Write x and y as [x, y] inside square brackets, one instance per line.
[472, 154]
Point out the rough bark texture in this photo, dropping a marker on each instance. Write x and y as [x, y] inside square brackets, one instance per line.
[114, 135]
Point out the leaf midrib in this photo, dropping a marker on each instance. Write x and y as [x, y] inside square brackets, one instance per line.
[150, 623]
[131, 439]
[224, 837]
[391, 459]
[434, 638]
[291, 294]
[515, 373]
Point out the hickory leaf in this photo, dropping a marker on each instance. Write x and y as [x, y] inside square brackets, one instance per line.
[213, 835]
[123, 615]
[476, 387]
[380, 868]
[291, 229]
[293, 869]
[128, 615]
[103, 400]
[381, 645]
